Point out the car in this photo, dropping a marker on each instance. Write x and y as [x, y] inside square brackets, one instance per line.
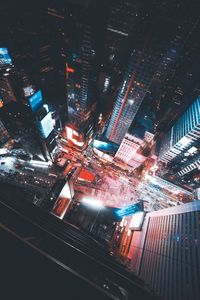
[3, 163]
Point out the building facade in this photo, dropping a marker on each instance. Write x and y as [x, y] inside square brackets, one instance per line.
[82, 33]
[183, 134]
[165, 254]
[128, 148]
[180, 148]
[136, 82]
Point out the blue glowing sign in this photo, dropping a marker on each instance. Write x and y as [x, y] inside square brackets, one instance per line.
[103, 146]
[36, 101]
[5, 57]
[129, 210]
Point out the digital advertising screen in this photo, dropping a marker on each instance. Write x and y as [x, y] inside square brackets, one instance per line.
[36, 101]
[74, 136]
[129, 210]
[28, 91]
[86, 175]
[137, 221]
[5, 58]
[46, 125]
[103, 146]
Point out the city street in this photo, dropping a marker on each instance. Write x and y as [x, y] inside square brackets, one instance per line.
[27, 175]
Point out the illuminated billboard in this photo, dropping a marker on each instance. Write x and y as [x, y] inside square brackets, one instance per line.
[103, 146]
[63, 201]
[86, 175]
[46, 125]
[36, 101]
[129, 210]
[75, 137]
[137, 221]
[28, 91]
[1, 103]
[5, 58]
[68, 70]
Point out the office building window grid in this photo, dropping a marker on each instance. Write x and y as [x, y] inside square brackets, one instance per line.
[139, 75]
[171, 256]
[182, 135]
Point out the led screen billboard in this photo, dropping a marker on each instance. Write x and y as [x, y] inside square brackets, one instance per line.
[5, 58]
[86, 175]
[137, 221]
[74, 136]
[129, 210]
[46, 125]
[103, 146]
[28, 91]
[36, 101]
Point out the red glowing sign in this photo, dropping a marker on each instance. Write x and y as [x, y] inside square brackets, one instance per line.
[74, 136]
[69, 70]
[1, 103]
[86, 175]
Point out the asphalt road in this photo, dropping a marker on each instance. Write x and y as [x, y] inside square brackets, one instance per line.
[13, 170]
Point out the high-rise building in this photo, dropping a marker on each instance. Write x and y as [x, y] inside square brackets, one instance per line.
[42, 125]
[83, 33]
[135, 85]
[38, 48]
[183, 134]
[160, 50]
[165, 253]
[180, 148]
[180, 85]
[121, 18]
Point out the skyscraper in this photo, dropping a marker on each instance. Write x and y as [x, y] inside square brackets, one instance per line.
[135, 85]
[38, 48]
[182, 136]
[121, 18]
[82, 33]
[165, 254]
[180, 147]
[155, 52]
[181, 85]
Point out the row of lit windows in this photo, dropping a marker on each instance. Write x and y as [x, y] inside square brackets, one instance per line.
[189, 168]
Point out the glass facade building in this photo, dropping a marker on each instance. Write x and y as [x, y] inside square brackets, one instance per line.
[183, 134]
[136, 82]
